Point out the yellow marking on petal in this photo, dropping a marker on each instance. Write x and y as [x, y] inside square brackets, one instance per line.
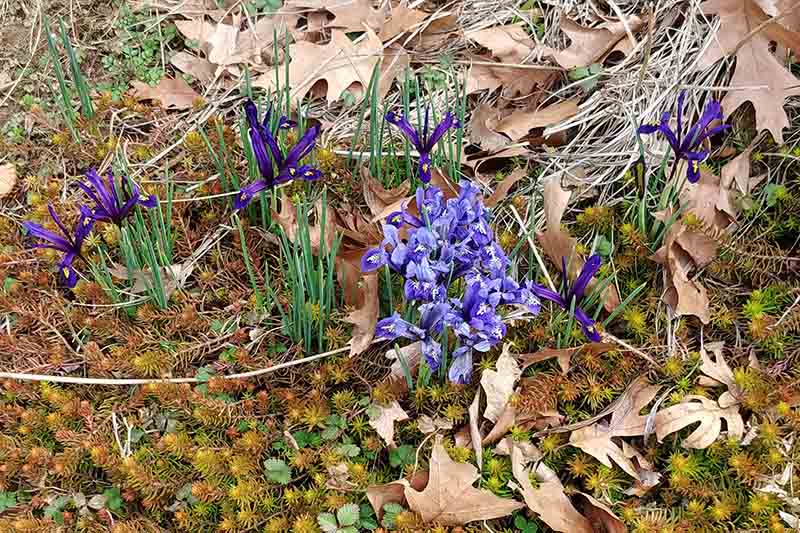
[424, 167]
[86, 221]
[309, 172]
[695, 166]
[65, 271]
[292, 171]
[243, 196]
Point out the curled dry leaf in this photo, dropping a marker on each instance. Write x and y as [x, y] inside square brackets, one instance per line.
[382, 419]
[8, 178]
[596, 439]
[505, 421]
[589, 45]
[548, 500]
[171, 93]
[450, 499]
[394, 492]
[341, 63]
[600, 515]
[502, 188]
[737, 171]
[756, 65]
[474, 429]
[699, 409]
[499, 384]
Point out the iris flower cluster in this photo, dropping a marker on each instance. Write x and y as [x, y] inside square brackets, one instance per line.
[688, 146]
[112, 204]
[448, 243]
[269, 156]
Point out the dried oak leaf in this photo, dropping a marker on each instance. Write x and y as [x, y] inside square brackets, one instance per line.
[589, 45]
[171, 93]
[756, 65]
[379, 198]
[480, 133]
[718, 374]
[699, 409]
[347, 15]
[596, 439]
[8, 178]
[564, 355]
[198, 67]
[518, 124]
[510, 47]
[394, 492]
[548, 500]
[502, 188]
[341, 64]
[382, 419]
[499, 384]
[402, 19]
[449, 499]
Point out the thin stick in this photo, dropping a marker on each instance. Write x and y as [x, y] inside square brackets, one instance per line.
[125, 382]
[609, 336]
[533, 249]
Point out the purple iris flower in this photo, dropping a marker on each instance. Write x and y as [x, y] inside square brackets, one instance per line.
[686, 146]
[422, 142]
[269, 156]
[69, 244]
[576, 291]
[112, 204]
[394, 327]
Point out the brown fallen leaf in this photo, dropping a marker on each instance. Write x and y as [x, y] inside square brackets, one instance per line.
[518, 124]
[348, 15]
[477, 161]
[171, 93]
[401, 20]
[394, 492]
[756, 65]
[479, 132]
[341, 64]
[395, 61]
[8, 178]
[548, 500]
[382, 419]
[589, 45]
[647, 477]
[505, 421]
[719, 374]
[699, 409]
[365, 316]
[449, 499]
[596, 439]
[474, 429]
[530, 82]
[564, 355]
[377, 197]
[502, 188]
[737, 171]
[599, 515]
[499, 384]
[339, 478]
[202, 69]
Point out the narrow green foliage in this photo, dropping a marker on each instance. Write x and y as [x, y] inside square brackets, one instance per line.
[66, 101]
[87, 110]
